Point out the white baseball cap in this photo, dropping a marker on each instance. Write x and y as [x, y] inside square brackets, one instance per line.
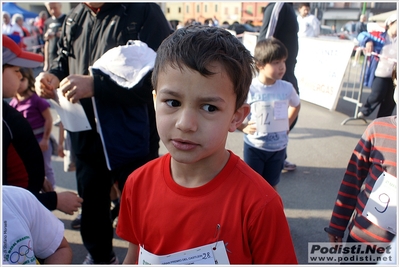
[391, 19]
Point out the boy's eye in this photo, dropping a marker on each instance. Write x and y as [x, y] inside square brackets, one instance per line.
[209, 108]
[172, 103]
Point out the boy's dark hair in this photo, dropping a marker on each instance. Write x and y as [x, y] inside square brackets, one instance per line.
[197, 46]
[27, 73]
[269, 49]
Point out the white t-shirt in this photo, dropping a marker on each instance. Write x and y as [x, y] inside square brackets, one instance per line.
[389, 54]
[17, 29]
[269, 109]
[309, 26]
[7, 29]
[29, 229]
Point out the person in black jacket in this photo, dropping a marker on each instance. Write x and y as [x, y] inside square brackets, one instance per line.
[89, 31]
[23, 163]
[284, 29]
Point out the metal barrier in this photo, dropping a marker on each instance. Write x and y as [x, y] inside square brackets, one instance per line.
[353, 91]
[353, 87]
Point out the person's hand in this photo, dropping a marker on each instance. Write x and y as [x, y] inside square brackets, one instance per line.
[45, 84]
[250, 128]
[60, 151]
[334, 239]
[75, 87]
[369, 48]
[68, 202]
[47, 186]
[44, 143]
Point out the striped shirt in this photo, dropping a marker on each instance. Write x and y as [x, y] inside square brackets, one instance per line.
[374, 154]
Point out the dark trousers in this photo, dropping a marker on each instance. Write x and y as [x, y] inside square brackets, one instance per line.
[381, 94]
[94, 183]
[289, 76]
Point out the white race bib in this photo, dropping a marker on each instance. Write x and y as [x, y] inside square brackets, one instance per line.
[214, 253]
[270, 117]
[381, 207]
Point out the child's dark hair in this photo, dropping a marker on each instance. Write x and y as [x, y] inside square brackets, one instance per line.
[27, 73]
[269, 49]
[196, 47]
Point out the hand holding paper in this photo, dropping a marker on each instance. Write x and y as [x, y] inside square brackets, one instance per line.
[73, 116]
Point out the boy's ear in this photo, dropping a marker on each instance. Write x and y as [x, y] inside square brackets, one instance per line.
[239, 116]
[259, 66]
[154, 98]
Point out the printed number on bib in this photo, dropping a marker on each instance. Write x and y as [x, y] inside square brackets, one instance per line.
[381, 206]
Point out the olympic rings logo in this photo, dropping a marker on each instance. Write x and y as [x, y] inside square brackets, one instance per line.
[25, 252]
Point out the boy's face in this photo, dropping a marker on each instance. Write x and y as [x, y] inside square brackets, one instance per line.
[194, 113]
[274, 70]
[11, 81]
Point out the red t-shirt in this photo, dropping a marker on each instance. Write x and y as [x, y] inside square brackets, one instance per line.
[16, 172]
[165, 217]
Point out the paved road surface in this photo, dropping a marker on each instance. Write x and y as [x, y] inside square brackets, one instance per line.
[321, 148]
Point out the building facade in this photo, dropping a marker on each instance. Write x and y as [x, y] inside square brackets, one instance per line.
[329, 13]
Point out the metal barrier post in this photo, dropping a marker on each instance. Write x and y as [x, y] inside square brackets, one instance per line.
[359, 97]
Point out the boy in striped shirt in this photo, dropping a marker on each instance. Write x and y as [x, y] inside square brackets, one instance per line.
[364, 203]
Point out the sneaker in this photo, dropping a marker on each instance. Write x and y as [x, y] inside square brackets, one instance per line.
[115, 212]
[360, 115]
[115, 222]
[89, 260]
[75, 224]
[289, 166]
[57, 122]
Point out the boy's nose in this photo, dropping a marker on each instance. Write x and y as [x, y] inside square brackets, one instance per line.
[187, 121]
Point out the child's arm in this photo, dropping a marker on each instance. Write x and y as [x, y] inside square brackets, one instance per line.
[63, 254]
[61, 139]
[248, 127]
[48, 123]
[293, 113]
[132, 254]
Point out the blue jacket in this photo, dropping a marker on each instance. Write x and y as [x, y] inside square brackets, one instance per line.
[378, 39]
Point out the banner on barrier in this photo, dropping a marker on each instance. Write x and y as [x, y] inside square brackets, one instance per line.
[320, 69]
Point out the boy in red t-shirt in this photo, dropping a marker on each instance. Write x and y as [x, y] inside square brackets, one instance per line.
[201, 202]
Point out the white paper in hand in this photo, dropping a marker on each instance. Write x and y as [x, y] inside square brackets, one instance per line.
[73, 117]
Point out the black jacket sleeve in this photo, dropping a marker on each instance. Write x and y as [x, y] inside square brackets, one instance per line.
[155, 27]
[266, 19]
[17, 130]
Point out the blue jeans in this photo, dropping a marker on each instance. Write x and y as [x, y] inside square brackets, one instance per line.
[269, 164]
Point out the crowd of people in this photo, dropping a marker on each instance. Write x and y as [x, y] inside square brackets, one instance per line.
[136, 89]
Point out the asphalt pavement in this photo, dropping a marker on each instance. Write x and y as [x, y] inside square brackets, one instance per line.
[321, 148]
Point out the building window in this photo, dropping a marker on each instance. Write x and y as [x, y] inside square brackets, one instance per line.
[168, 10]
[216, 8]
[198, 8]
[179, 9]
[249, 11]
[236, 10]
[188, 9]
[206, 8]
[226, 11]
